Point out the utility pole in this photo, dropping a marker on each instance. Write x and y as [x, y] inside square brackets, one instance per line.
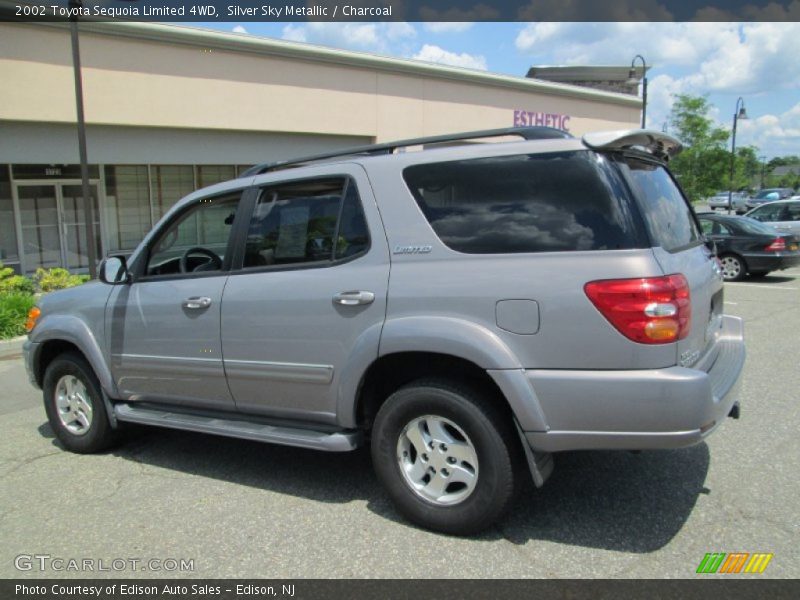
[88, 201]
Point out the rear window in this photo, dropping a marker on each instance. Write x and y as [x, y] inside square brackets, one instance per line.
[752, 226]
[668, 216]
[527, 203]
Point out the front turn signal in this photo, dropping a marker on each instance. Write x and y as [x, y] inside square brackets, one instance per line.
[33, 315]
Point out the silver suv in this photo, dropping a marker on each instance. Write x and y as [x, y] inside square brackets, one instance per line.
[469, 309]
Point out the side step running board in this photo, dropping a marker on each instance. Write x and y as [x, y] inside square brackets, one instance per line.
[340, 441]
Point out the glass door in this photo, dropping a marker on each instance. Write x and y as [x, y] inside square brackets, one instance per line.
[41, 229]
[73, 226]
[53, 220]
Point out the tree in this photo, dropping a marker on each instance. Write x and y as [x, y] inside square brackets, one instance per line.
[703, 167]
[747, 170]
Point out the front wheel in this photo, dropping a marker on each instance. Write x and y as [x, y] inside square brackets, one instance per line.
[74, 405]
[447, 456]
[733, 267]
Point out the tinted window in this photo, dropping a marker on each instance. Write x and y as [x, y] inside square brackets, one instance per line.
[537, 203]
[353, 233]
[667, 213]
[297, 223]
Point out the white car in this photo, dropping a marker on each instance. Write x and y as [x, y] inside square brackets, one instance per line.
[783, 215]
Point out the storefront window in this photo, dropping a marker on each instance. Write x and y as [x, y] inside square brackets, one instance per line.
[169, 184]
[211, 174]
[127, 206]
[8, 233]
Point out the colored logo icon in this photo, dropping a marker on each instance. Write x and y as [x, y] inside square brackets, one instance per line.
[734, 562]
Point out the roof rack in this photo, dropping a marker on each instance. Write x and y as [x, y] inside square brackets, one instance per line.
[526, 133]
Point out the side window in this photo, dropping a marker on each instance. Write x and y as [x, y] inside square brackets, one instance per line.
[353, 233]
[197, 240]
[794, 211]
[560, 202]
[296, 224]
[767, 213]
[708, 226]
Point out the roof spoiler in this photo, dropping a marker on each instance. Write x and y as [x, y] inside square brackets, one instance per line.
[656, 143]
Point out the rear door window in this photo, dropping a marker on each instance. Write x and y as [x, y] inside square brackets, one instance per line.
[667, 213]
[556, 202]
[309, 222]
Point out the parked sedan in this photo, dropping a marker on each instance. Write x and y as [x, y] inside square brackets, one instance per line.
[720, 200]
[769, 195]
[783, 215]
[745, 246]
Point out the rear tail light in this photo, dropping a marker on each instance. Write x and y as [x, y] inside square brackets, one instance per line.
[651, 310]
[777, 245]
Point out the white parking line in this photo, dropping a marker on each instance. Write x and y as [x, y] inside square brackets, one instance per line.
[733, 303]
[765, 287]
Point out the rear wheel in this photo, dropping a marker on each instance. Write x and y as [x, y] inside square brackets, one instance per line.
[733, 267]
[74, 405]
[447, 456]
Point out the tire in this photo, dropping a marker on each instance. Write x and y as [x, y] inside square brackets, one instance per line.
[733, 267]
[74, 405]
[455, 419]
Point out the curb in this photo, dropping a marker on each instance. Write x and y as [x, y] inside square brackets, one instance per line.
[12, 346]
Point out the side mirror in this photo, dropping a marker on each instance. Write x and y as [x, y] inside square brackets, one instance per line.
[711, 245]
[114, 271]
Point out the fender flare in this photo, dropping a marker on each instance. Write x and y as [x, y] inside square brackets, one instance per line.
[447, 336]
[66, 328]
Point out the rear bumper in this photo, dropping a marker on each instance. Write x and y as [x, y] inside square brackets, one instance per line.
[772, 261]
[641, 409]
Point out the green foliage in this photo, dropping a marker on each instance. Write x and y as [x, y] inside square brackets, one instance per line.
[11, 282]
[50, 280]
[14, 307]
[747, 169]
[703, 167]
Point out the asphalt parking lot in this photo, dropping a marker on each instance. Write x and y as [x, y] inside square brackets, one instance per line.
[245, 509]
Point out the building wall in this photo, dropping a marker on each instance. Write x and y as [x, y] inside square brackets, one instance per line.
[169, 109]
[146, 83]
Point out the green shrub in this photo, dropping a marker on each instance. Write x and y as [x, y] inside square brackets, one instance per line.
[11, 282]
[50, 280]
[14, 307]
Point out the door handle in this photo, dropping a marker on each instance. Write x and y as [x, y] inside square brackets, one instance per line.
[197, 302]
[353, 298]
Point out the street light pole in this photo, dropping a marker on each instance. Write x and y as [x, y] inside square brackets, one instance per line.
[763, 160]
[738, 113]
[633, 80]
[88, 202]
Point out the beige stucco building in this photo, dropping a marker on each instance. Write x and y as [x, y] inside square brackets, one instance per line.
[170, 109]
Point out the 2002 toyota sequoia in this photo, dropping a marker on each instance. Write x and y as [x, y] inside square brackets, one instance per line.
[470, 309]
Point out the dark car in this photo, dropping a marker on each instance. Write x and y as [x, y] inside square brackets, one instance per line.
[747, 247]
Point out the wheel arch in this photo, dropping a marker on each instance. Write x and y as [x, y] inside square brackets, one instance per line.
[390, 372]
[58, 334]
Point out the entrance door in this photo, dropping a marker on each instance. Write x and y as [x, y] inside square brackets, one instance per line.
[53, 221]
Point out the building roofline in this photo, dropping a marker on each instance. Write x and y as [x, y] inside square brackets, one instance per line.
[302, 51]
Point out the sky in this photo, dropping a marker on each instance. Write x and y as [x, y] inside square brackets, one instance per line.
[758, 61]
